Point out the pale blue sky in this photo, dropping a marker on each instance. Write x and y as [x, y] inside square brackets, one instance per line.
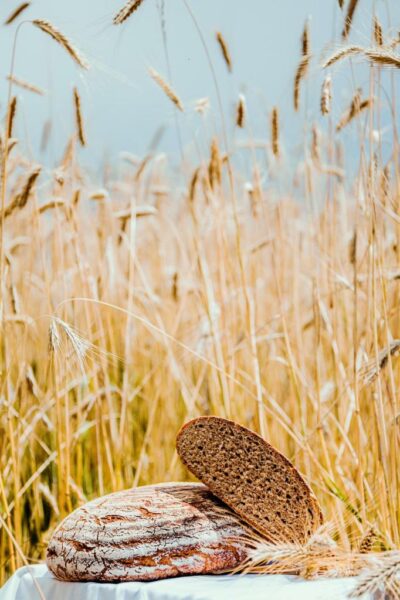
[124, 108]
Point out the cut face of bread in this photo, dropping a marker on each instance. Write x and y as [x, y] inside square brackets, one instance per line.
[148, 533]
[251, 477]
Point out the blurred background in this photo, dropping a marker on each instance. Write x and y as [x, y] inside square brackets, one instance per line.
[123, 108]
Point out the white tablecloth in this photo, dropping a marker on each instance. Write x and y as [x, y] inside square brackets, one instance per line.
[217, 587]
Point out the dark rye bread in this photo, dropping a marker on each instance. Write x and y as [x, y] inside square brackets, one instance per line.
[251, 477]
[148, 533]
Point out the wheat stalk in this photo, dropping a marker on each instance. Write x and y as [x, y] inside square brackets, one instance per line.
[59, 37]
[78, 118]
[167, 89]
[126, 11]
[224, 50]
[15, 14]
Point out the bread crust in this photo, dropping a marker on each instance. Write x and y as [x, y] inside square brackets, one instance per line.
[148, 533]
[254, 479]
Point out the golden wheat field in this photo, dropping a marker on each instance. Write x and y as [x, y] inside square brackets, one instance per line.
[131, 304]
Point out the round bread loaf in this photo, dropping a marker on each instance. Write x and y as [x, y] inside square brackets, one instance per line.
[148, 533]
[249, 475]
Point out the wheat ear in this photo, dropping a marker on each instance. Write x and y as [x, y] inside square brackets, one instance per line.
[126, 11]
[15, 14]
[215, 165]
[59, 37]
[224, 50]
[275, 132]
[22, 198]
[356, 107]
[341, 54]
[326, 95]
[300, 74]
[371, 371]
[25, 85]
[78, 118]
[167, 89]
[11, 116]
[380, 57]
[378, 32]
[349, 17]
[241, 112]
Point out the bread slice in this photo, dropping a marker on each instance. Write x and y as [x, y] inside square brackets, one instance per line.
[251, 477]
[148, 533]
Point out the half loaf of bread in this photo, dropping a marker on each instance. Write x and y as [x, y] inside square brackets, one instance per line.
[251, 477]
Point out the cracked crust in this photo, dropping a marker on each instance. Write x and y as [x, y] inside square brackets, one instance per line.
[147, 533]
[249, 475]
